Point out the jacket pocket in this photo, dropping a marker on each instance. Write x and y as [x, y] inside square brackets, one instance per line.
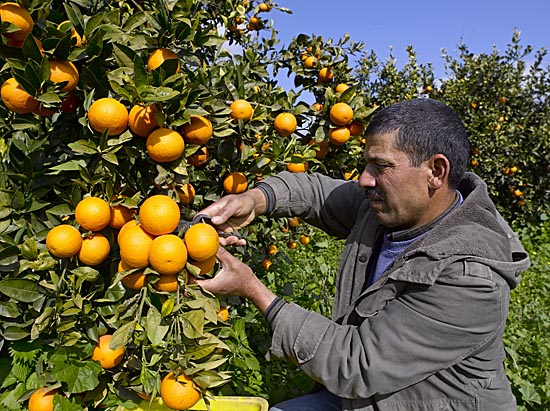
[371, 302]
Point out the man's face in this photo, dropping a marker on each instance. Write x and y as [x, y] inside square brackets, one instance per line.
[399, 193]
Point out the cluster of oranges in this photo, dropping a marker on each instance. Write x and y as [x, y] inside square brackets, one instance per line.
[148, 241]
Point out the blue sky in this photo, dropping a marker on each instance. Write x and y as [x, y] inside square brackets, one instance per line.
[427, 25]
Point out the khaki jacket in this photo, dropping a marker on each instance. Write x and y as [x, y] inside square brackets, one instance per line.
[428, 334]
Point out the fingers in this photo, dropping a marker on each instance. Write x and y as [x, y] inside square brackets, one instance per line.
[232, 241]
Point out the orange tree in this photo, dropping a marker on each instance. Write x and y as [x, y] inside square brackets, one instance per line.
[122, 101]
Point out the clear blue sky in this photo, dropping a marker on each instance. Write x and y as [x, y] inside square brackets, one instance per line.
[427, 25]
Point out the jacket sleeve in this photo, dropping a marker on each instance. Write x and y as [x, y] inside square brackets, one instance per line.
[317, 199]
[422, 331]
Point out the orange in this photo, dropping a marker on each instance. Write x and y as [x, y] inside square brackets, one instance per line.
[304, 239]
[142, 120]
[205, 266]
[165, 145]
[235, 183]
[198, 131]
[167, 283]
[132, 223]
[64, 71]
[285, 124]
[167, 254]
[159, 56]
[223, 314]
[297, 167]
[241, 110]
[108, 113]
[16, 99]
[323, 149]
[95, 249]
[41, 400]
[178, 393]
[341, 114]
[341, 87]
[310, 61]
[356, 128]
[134, 246]
[325, 75]
[64, 241]
[272, 249]
[135, 281]
[107, 357]
[294, 222]
[264, 7]
[64, 26]
[266, 264]
[202, 241]
[120, 215]
[317, 106]
[159, 214]
[11, 12]
[186, 193]
[291, 244]
[199, 158]
[339, 135]
[93, 213]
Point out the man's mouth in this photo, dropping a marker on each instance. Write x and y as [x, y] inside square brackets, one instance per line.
[373, 195]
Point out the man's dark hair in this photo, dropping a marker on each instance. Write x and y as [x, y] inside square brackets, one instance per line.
[425, 127]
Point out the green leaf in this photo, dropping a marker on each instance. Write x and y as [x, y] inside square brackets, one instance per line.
[141, 78]
[13, 333]
[167, 307]
[20, 289]
[80, 376]
[153, 325]
[9, 310]
[122, 335]
[193, 326]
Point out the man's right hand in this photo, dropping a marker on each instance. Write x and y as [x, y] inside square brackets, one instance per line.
[235, 211]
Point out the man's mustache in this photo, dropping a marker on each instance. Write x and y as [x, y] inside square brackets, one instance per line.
[374, 195]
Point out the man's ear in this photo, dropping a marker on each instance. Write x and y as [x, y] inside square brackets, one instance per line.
[439, 171]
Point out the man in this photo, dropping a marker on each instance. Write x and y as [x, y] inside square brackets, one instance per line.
[424, 280]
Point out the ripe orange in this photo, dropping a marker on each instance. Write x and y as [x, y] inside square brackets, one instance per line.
[339, 135]
[202, 241]
[159, 56]
[41, 400]
[11, 12]
[310, 61]
[205, 266]
[341, 87]
[178, 393]
[317, 106]
[142, 120]
[167, 283]
[356, 128]
[325, 75]
[64, 26]
[304, 239]
[198, 131]
[16, 99]
[199, 158]
[159, 214]
[165, 145]
[291, 244]
[64, 241]
[132, 223]
[107, 357]
[94, 250]
[294, 222]
[135, 281]
[272, 249]
[186, 193]
[322, 150]
[223, 314]
[265, 7]
[266, 264]
[93, 213]
[285, 124]
[341, 114]
[120, 215]
[134, 246]
[64, 71]
[167, 254]
[241, 110]
[108, 113]
[297, 167]
[235, 183]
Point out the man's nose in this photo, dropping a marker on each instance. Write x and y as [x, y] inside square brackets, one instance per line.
[366, 179]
